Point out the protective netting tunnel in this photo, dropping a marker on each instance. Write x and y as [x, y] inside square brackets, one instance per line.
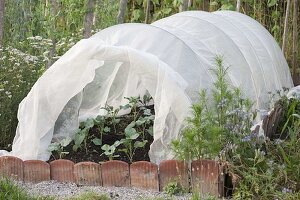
[171, 59]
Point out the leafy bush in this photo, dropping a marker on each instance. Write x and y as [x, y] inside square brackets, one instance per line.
[215, 125]
[272, 169]
[260, 167]
[18, 72]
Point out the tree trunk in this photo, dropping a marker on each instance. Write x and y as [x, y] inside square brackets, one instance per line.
[206, 5]
[295, 45]
[184, 6]
[89, 16]
[238, 5]
[45, 8]
[285, 30]
[98, 8]
[122, 10]
[190, 3]
[246, 8]
[1, 22]
[52, 52]
[147, 17]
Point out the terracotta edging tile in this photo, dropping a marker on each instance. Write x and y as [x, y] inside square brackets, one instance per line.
[206, 177]
[62, 170]
[173, 170]
[115, 173]
[36, 171]
[144, 175]
[88, 173]
[11, 167]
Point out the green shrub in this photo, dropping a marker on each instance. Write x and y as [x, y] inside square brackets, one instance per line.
[270, 169]
[215, 125]
[18, 72]
[20, 68]
[261, 167]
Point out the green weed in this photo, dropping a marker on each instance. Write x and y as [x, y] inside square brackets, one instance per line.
[90, 196]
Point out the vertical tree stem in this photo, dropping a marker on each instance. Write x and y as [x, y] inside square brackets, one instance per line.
[285, 30]
[89, 16]
[2, 8]
[122, 10]
[295, 40]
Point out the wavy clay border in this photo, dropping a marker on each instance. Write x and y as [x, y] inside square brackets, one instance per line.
[205, 176]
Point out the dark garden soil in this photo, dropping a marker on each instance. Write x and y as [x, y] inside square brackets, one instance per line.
[94, 153]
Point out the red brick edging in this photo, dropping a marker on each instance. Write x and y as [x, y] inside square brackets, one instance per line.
[205, 176]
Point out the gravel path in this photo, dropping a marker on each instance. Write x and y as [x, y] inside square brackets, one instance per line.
[65, 190]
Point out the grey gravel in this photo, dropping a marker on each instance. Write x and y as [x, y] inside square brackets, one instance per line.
[65, 190]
